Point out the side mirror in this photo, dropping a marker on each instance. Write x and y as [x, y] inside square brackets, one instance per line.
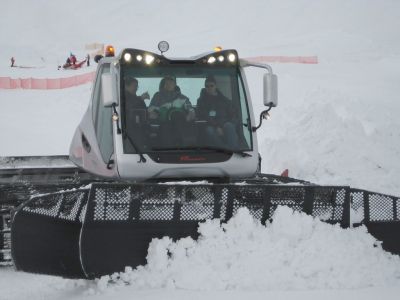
[106, 90]
[270, 90]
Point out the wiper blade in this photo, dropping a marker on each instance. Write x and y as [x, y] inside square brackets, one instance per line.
[216, 149]
[127, 136]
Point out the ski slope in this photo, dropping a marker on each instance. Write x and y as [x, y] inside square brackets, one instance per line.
[336, 123]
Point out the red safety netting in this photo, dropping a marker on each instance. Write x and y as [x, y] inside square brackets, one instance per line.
[45, 83]
[67, 82]
[285, 59]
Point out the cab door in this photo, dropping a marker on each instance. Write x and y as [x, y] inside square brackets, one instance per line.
[92, 147]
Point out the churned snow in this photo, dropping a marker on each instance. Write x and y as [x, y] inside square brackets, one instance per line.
[294, 252]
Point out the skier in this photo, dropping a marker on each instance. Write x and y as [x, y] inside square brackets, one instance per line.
[12, 61]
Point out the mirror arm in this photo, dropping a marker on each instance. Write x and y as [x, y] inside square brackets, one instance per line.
[115, 117]
[264, 115]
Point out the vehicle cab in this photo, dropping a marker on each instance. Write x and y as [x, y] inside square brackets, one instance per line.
[175, 133]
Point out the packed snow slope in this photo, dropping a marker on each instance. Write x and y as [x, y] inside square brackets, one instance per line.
[337, 122]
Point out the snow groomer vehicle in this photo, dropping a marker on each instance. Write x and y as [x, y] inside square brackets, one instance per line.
[162, 159]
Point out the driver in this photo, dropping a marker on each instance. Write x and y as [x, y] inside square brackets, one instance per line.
[169, 103]
[173, 111]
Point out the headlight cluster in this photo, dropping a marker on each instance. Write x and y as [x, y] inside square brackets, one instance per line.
[136, 57]
[219, 57]
[148, 59]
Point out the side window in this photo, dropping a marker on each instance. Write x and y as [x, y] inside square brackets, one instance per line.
[102, 119]
[245, 126]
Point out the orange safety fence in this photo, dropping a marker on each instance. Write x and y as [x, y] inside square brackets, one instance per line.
[67, 82]
[45, 83]
[285, 59]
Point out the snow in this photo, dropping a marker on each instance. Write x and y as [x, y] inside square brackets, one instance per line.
[336, 123]
[295, 252]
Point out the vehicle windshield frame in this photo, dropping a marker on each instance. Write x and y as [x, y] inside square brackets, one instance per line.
[186, 71]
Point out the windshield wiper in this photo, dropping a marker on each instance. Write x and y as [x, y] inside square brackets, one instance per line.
[207, 148]
[142, 158]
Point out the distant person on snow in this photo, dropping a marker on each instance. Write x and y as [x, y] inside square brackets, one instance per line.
[72, 58]
[12, 61]
[88, 60]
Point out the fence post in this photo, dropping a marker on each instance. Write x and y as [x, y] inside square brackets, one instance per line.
[308, 200]
[346, 222]
[229, 203]
[178, 203]
[217, 202]
[366, 206]
[266, 195]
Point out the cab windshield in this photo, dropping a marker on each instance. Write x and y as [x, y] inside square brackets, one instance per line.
[184, 107]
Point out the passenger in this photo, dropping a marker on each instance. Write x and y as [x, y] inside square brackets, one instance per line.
[136, 114]
[173, 111]
[217, 110]
[168, 103]
[132, 100]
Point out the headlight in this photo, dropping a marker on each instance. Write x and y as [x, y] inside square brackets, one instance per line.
[127, 57]
[221, 58]
[231, 57]
[139, 57]
[211, 60]
[149, 59]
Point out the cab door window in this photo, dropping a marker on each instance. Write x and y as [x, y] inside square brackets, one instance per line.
[102, 118]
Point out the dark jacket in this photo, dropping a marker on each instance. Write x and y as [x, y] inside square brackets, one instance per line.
[162, 102]
[217, 110]
[136, 110]
[134, 102]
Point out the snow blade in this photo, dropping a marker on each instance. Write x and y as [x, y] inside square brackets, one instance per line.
[86, 234]
[381, 216]
[45, 234]
[121, 220]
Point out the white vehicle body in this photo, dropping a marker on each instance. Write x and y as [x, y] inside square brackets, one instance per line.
[102, 144]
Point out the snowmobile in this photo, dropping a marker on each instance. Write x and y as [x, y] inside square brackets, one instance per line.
[72, 63]
[70, 66]
[151, 182]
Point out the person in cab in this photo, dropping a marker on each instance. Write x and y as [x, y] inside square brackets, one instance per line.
[173, 111]
[169, 103]
[217, 110]
[135, 111]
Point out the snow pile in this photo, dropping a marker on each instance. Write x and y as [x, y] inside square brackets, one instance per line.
[336, 122]
[293, 252]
